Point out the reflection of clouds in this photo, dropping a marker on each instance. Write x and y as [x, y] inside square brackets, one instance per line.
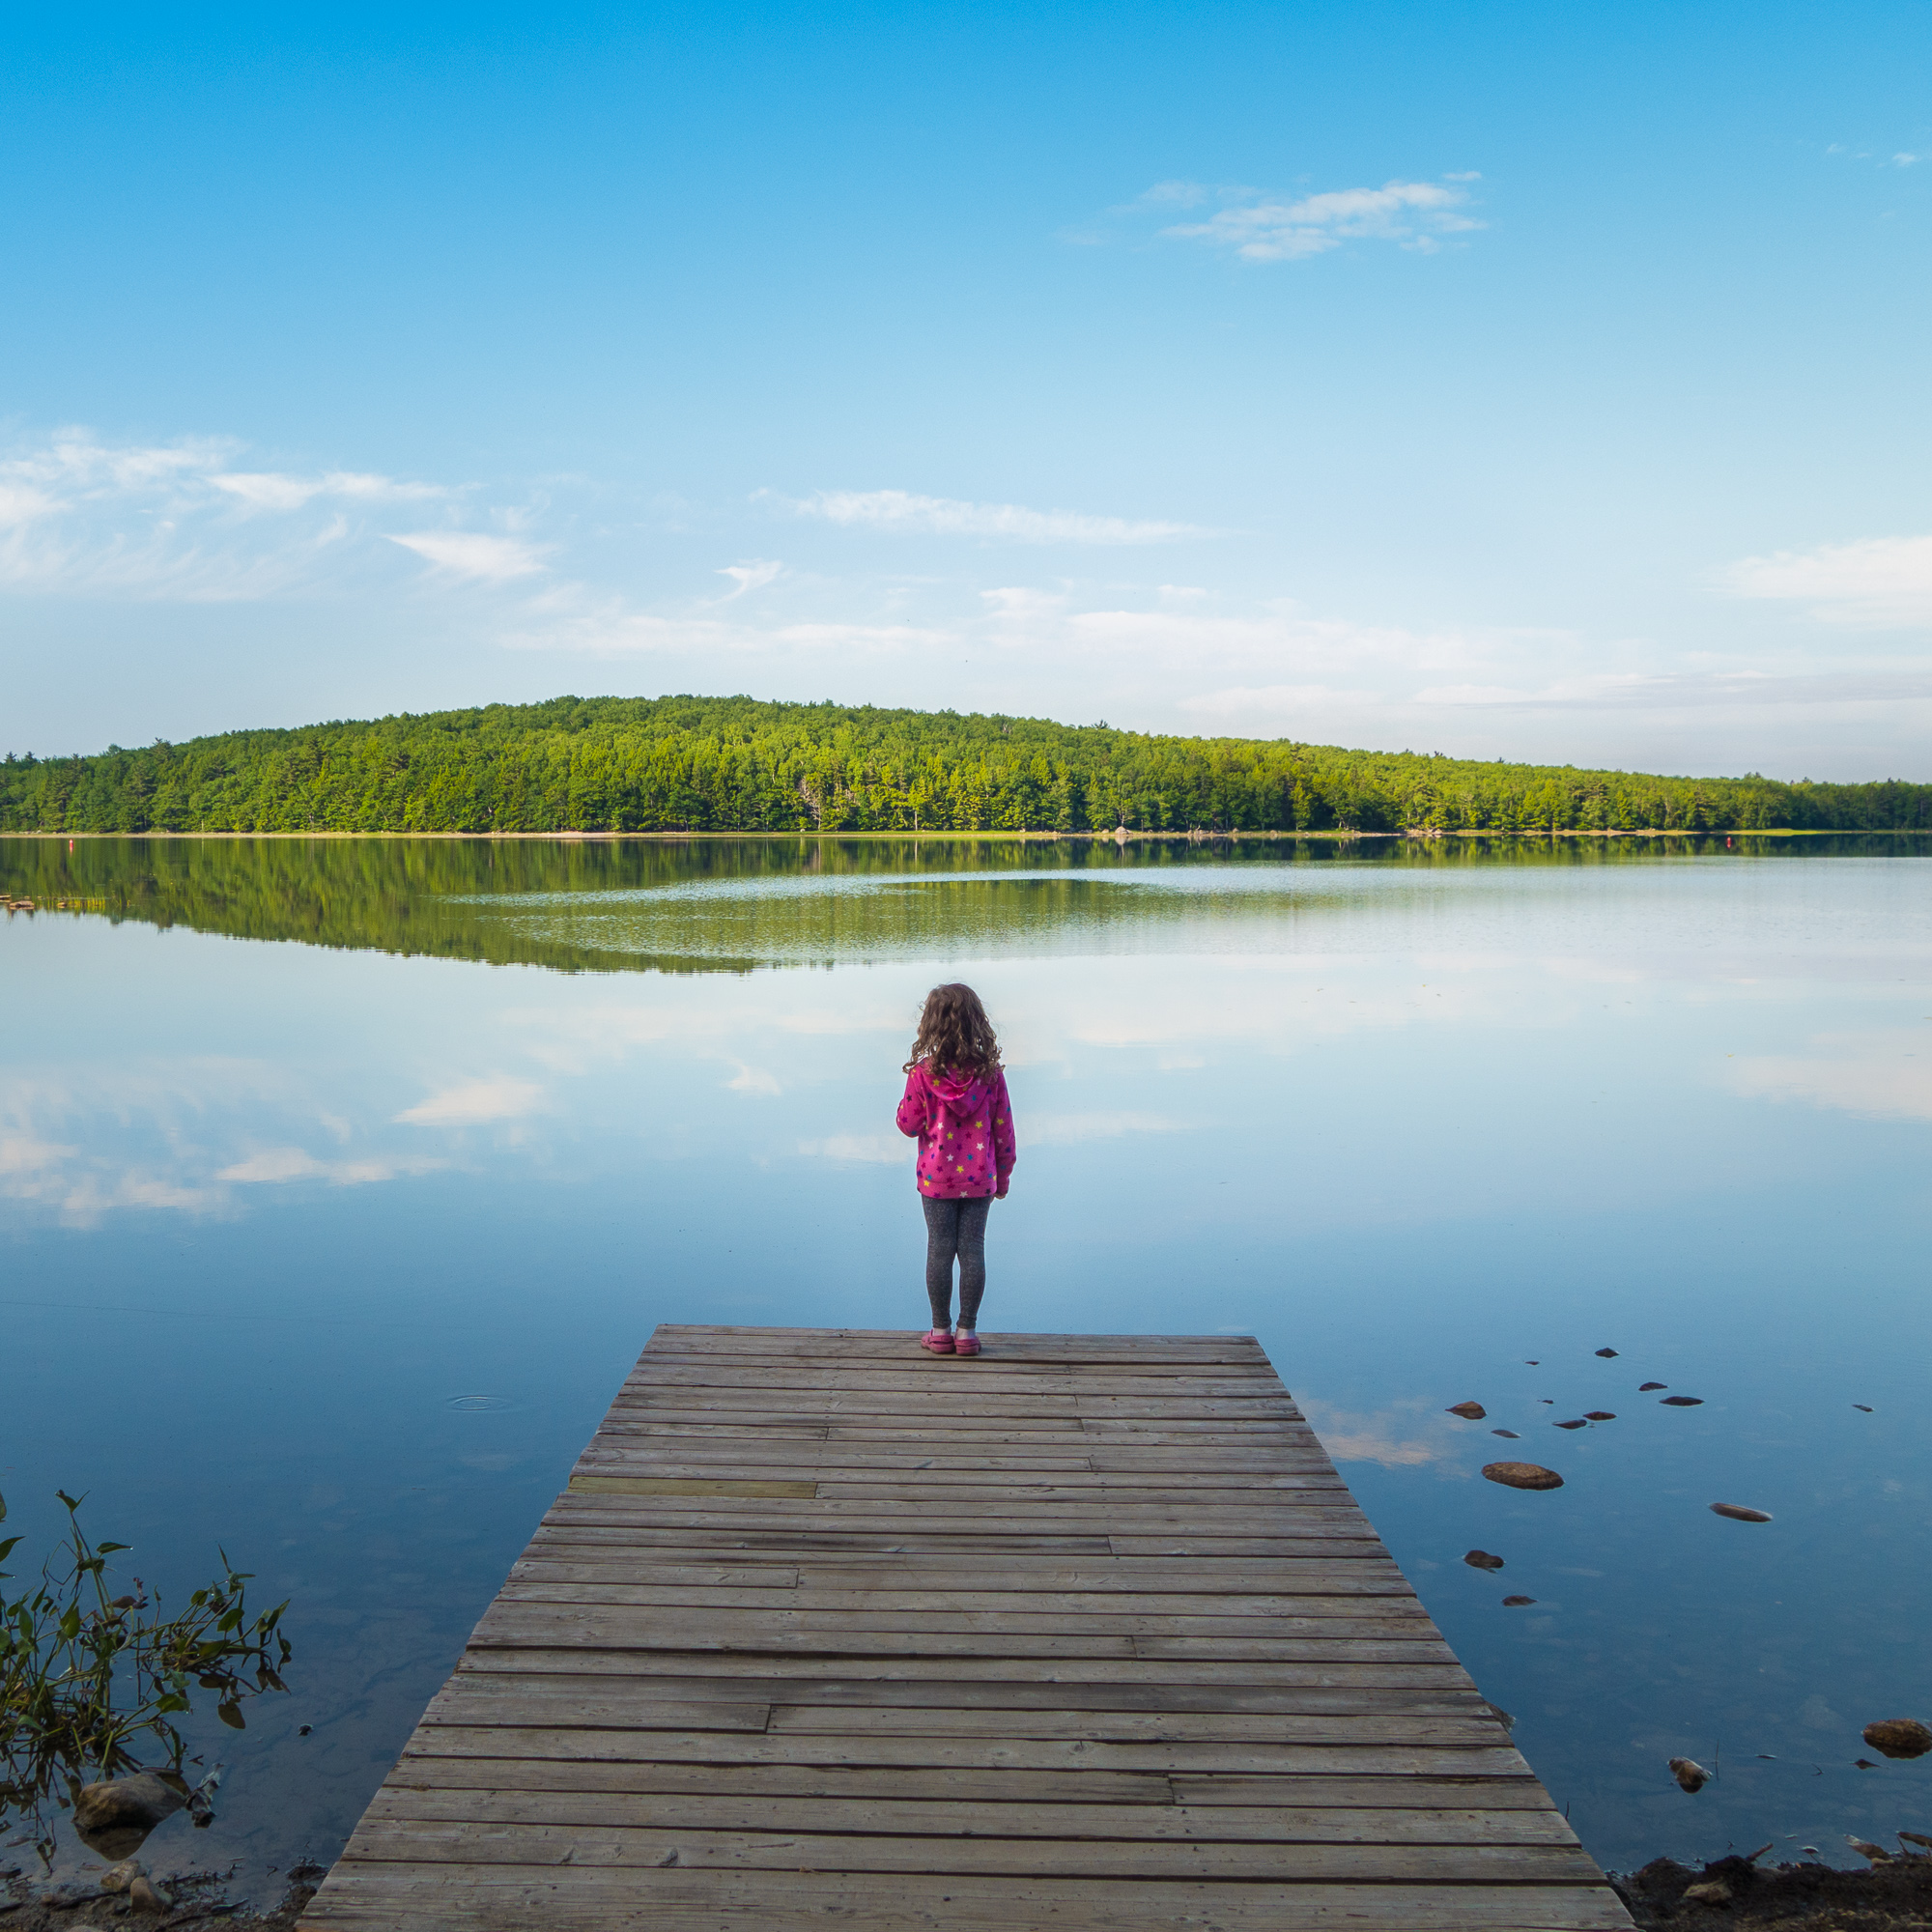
[290, 1163]
[472, 1104]
[84, 1144]
[1371, 1438]
[1068, 1130]
[753, 1080]
[889, 1150]
[1881, 1075]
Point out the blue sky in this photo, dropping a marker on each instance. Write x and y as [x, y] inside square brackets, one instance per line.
[1504, 380]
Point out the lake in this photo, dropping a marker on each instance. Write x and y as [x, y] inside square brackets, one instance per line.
[345, 1180]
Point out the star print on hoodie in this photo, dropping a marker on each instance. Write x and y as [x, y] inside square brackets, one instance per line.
[964, 1126]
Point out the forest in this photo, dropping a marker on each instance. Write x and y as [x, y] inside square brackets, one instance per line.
[737, 764]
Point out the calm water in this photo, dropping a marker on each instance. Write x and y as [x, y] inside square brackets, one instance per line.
[343, 1183]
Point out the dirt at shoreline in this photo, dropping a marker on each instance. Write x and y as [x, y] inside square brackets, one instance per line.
[1890, 1897]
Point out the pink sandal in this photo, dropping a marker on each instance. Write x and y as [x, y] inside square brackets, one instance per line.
[965, 1343]
[939, 1342]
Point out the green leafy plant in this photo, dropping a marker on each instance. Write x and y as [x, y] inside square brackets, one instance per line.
[86, 1678]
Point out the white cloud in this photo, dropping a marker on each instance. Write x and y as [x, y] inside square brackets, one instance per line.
[753, 1080]
[265, 489]
[473, 1102]
[1413, 215]
[900, 510]
[469, 554]
[753, 575]
[1881, 581]
[167, 520]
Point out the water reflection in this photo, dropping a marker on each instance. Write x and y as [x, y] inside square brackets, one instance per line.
[334, 1252]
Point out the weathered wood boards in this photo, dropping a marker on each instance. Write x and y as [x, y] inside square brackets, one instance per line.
[1086, 1633]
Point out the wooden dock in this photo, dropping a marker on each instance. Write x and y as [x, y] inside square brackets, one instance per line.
[1085, 1633]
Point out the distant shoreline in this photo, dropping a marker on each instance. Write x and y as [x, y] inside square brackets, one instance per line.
[1120, 836]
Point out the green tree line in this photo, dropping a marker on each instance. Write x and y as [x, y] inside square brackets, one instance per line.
[734, 764]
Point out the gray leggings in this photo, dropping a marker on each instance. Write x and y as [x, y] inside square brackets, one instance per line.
[955, 1228]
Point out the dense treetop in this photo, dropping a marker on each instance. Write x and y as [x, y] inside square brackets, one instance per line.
[734, 764]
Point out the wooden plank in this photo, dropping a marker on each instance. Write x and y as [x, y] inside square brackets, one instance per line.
[1087, 1632]
[406, 1896]
[655, 1485]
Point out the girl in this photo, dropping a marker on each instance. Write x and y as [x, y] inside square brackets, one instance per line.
[956, 1106]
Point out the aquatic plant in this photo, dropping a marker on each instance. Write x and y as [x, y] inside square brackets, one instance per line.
[85, 1677]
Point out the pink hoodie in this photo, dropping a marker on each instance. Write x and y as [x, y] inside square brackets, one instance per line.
[964, 1126]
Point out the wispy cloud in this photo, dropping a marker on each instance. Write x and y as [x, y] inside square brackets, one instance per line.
[472, 1104]
[753, 575]
[475, 555]
[1876, 580]
[172, 521]
[269, 489]
[1259, 227]
[900, 510]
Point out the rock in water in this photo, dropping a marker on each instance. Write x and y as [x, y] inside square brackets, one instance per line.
[1508, 1434]
[1738, 1512]
[115, 1816]
[1877, 1854]
[1522, 1475]
[1899, 1737]
[1607, 1354]
[1864, 1407]
[1578, 1424]
[1644, 1388]
[1481, 1559]
[1682, 1402]
[1689, 1774]
[118, 1878]
[1517, 1602]
[1599, 1415]
[145, 1896]
[1471, 1412]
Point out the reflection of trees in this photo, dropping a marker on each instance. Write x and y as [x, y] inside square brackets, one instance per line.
[626, 905]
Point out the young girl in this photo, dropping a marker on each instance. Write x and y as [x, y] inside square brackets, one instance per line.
[956, 1106]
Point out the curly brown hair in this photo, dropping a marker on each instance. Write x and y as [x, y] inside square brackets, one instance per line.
[954, 1032]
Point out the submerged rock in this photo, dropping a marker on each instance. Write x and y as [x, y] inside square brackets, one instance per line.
[1517, 1603]
[115, 1816]
[1522, 1475]
[1689, 1774]
[1898, 1737]
[1472, 1411]
[1739, 1513]
[1682, 1402]
[1481, 1559]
